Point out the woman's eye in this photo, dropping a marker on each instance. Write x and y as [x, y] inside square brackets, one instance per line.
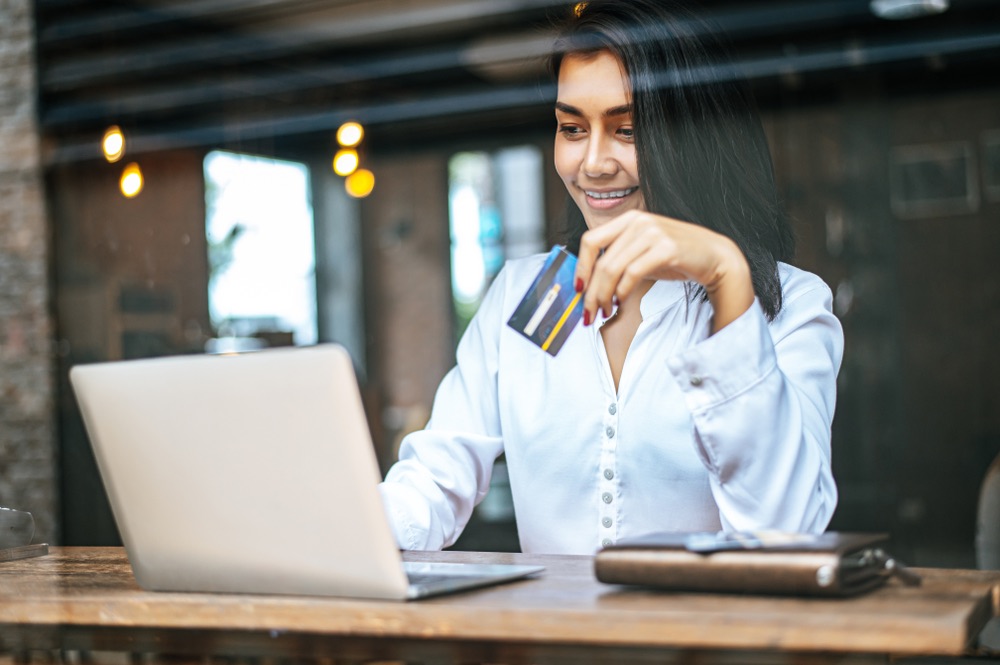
[626, 133]
[570, 131]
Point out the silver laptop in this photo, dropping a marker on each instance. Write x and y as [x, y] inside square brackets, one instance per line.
[252, 473]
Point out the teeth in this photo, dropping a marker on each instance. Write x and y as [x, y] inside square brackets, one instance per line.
[611, 195]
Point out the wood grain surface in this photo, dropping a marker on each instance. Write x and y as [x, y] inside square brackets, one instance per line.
[87, 598]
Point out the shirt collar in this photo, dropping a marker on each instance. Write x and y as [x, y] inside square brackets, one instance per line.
[663, 294]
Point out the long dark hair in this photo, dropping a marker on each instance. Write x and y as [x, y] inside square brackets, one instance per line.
[702, 153]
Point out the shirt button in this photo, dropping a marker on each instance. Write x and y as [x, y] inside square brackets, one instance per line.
[609, 474]
[613, 409]
[606, 497]
[607, 522]
[696, 380]
[610, 432]
[606, 542]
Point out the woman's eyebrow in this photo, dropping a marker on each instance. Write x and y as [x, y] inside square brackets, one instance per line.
[570, 110]
[624, 109]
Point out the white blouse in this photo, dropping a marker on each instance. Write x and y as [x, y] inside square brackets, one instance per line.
[729, 431]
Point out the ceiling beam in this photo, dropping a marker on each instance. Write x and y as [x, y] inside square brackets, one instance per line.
[450, 103]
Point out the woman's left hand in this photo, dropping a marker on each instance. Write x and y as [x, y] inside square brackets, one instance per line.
[639, 245]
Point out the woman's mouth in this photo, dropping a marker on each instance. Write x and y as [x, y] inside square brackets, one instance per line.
[609, 198]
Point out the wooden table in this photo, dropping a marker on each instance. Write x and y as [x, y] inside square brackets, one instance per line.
[86, 599]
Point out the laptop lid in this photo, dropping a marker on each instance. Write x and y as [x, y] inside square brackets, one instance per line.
[247, 473]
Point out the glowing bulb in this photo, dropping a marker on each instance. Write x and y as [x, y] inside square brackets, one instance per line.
[350, 134]
[579, 7]
[345, 162]
[113, 144]
[360, 183]
[131, 181]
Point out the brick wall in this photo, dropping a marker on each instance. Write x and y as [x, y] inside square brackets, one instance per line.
[129, 280]
[27, 450]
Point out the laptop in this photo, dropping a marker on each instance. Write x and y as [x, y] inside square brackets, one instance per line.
[252, 473]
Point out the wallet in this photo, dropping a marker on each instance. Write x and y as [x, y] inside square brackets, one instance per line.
[780, 563]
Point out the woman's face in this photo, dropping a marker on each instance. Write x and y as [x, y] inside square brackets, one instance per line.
[594, 147]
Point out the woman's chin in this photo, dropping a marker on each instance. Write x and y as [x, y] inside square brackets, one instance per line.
[596, 216]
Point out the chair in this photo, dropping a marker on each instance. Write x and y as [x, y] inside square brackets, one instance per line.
[988, 520]
[988, 543]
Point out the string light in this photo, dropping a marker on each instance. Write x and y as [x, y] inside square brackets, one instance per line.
[113, 144]
[131, 181]
[360, 183]
[345, 162]
[350, 134]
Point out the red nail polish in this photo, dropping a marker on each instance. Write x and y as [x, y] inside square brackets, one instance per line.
[586, 318]
[578, 285]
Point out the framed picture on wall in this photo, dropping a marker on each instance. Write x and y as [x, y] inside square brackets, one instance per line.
[991, 164]
[933, 180]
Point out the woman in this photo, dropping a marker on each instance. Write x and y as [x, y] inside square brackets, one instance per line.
[699, 393]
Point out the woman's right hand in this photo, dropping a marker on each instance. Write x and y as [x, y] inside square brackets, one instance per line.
[639, 245]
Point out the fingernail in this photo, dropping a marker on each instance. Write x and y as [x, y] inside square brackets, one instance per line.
[586, 318]
[578, 285]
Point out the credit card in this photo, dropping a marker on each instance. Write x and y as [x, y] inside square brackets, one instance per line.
[551, 308]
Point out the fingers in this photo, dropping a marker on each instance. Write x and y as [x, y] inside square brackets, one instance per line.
[608, 267]
[615, 257]
[614, 275]
[592, 244]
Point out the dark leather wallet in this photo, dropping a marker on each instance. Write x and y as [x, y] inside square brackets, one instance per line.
[829, 564]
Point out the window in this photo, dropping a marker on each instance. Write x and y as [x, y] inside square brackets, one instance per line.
[261, 252]
[496, 213]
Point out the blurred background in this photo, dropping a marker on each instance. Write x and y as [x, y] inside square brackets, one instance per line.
[172, 181]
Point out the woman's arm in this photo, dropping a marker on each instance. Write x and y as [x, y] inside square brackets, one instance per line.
[444, 470]
[762, 400]
[761, 396]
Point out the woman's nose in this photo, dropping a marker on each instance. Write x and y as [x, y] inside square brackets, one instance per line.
[598, 160]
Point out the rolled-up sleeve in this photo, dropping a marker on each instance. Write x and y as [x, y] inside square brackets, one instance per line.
[444, 470]
[762, 399]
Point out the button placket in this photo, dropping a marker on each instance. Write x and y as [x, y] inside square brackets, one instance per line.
[607, 481]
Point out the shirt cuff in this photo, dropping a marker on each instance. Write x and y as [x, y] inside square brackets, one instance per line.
[727, 363]
[399, 522]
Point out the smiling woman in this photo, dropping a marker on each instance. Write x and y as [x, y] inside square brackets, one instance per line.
[595, 147]
[692, 128]
[674, 413]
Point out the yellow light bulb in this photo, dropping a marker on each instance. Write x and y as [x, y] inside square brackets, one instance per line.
[350, 134]
[345, 162]
[360, 183]
[579, 7]
[131, 181]
[113, 144]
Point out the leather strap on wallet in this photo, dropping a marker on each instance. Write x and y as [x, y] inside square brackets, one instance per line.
[766, 562]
